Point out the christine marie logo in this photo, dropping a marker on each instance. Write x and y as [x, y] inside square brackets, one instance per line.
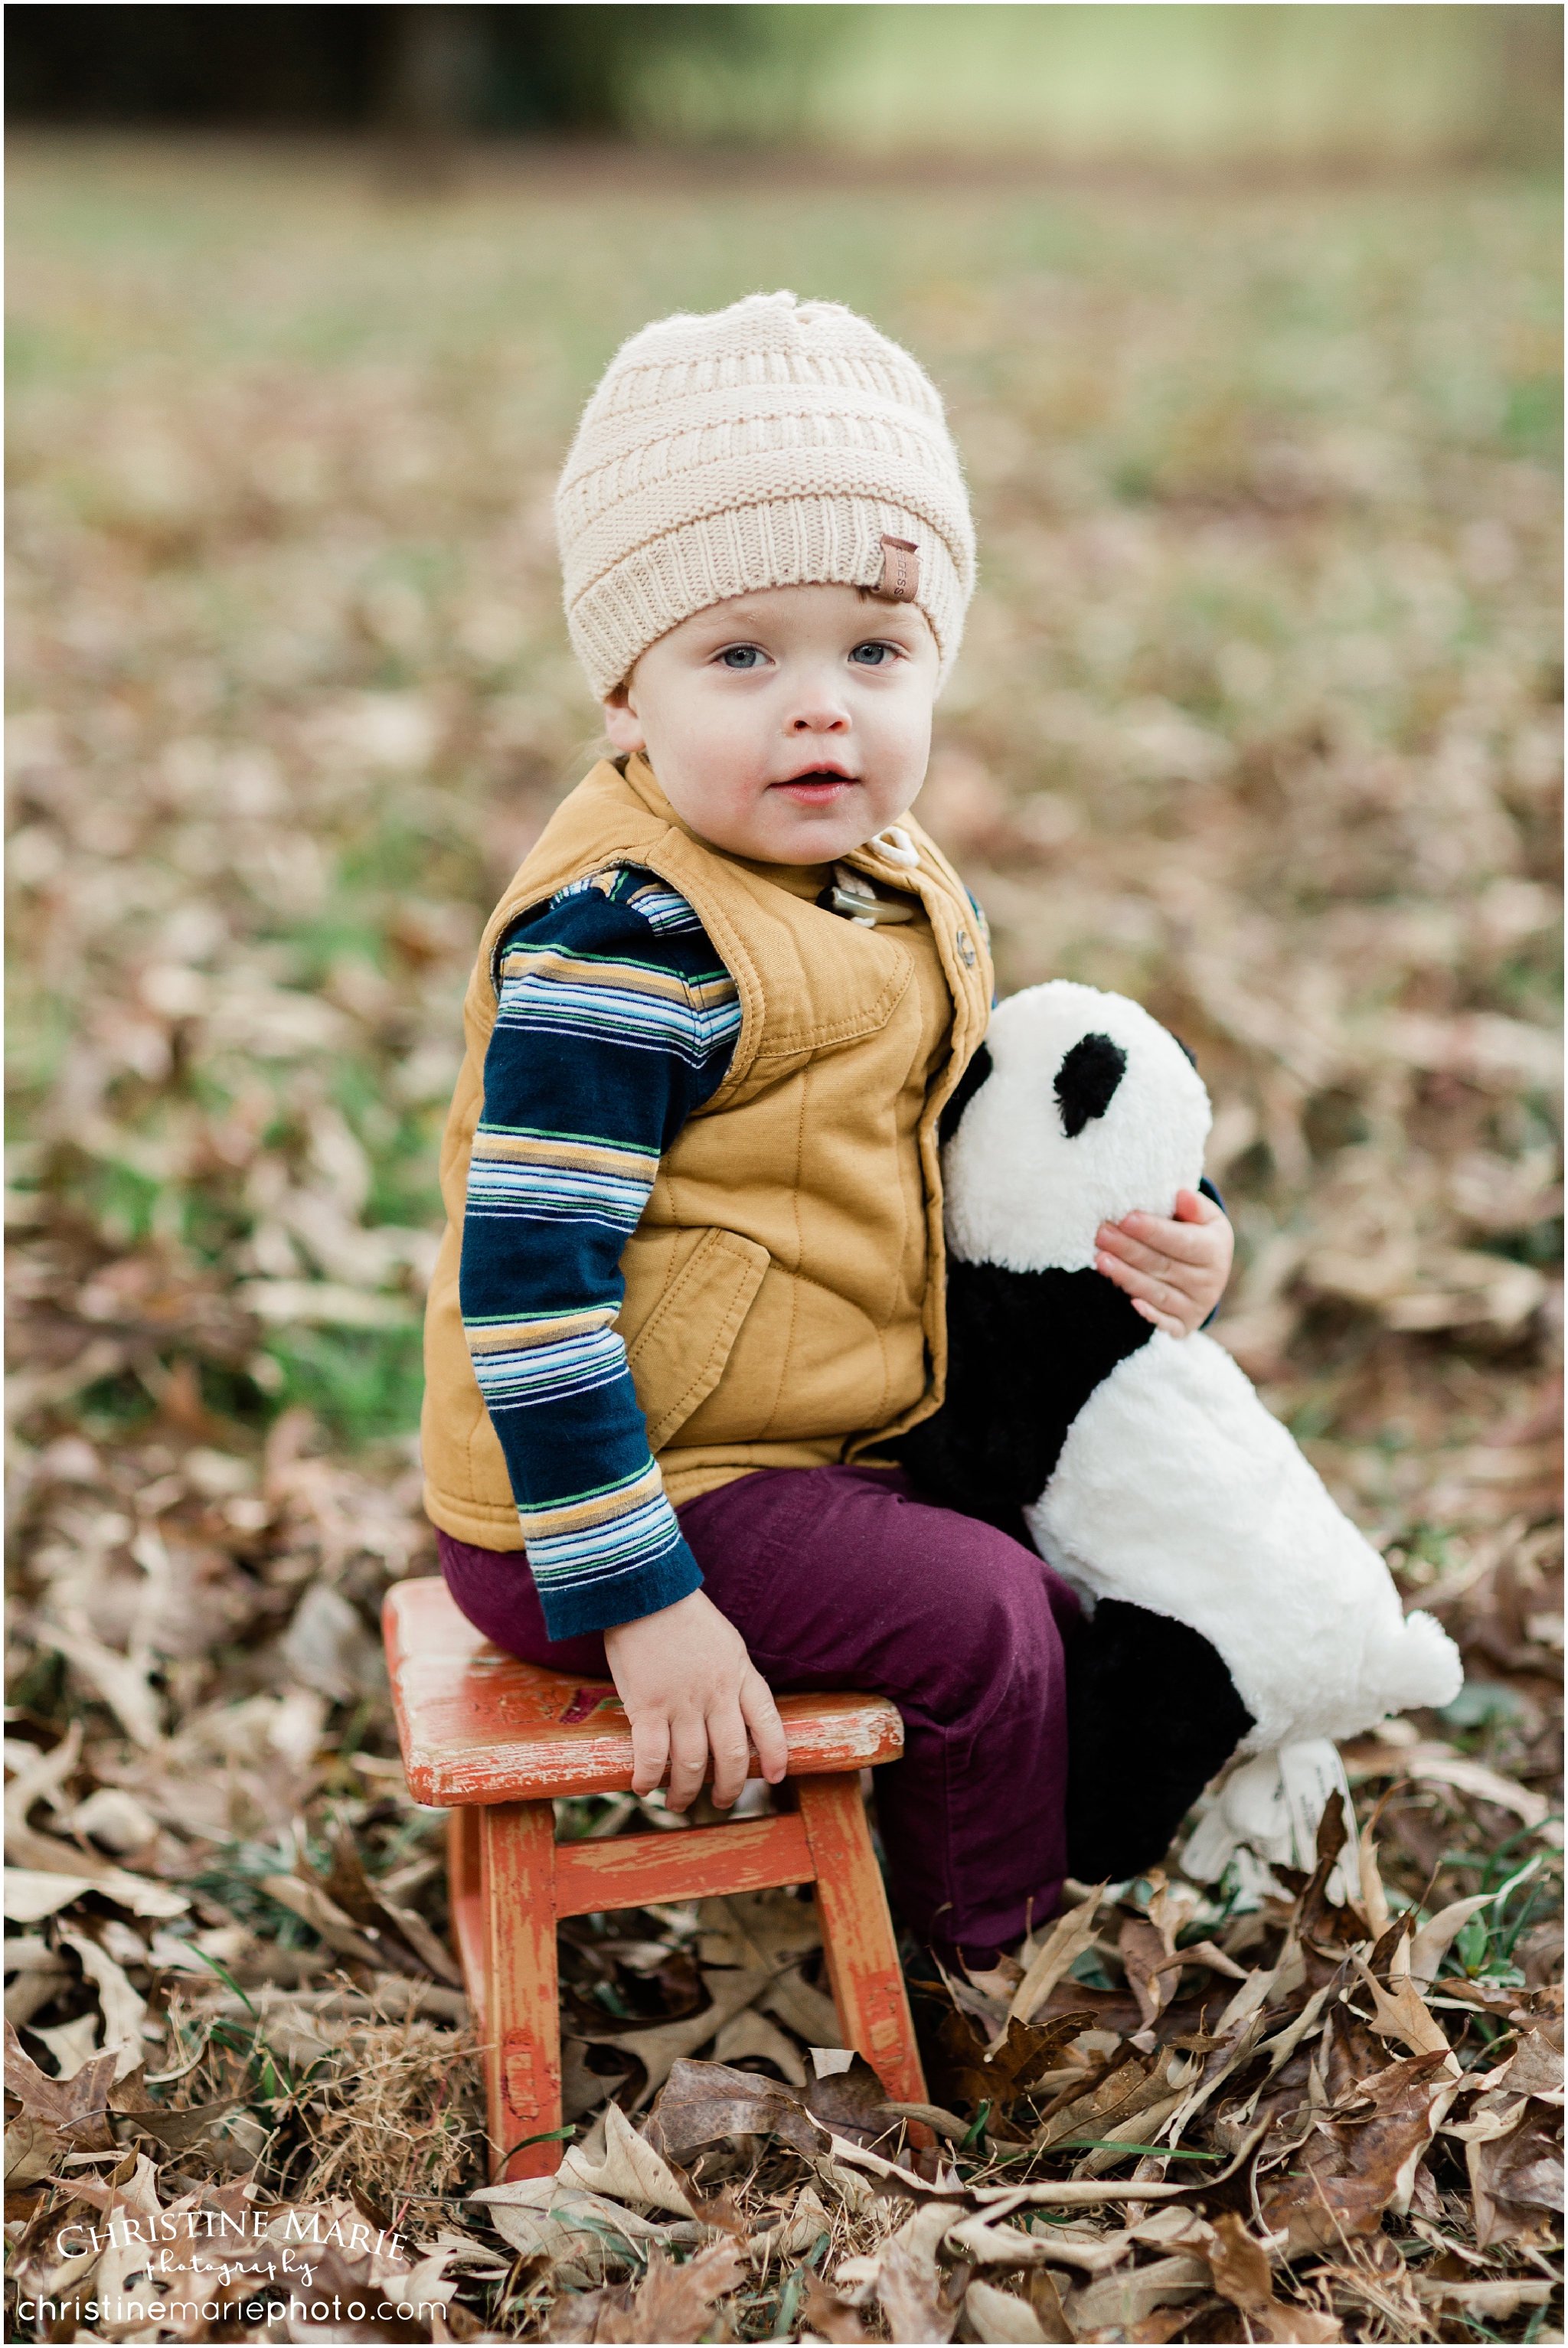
[216, 2263]
[273, 2226]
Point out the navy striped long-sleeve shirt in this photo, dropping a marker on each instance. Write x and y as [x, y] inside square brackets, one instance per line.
[616, 1020]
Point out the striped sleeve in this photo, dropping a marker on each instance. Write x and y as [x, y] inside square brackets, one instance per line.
[615, 1021]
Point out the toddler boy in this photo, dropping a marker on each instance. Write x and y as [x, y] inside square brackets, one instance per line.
[691, 1289]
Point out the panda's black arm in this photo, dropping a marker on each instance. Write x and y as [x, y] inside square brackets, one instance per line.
[1025, 1352]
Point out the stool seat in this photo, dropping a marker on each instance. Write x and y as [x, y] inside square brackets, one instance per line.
[476, 1727]
[496, 1741]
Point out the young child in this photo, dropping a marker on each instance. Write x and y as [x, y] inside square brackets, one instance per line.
[691, 1288]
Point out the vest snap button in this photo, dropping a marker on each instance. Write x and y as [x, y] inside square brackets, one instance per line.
[965, 950]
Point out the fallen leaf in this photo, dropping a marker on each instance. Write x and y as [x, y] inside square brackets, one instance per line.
[1349, 2171]
[1000, 2315]
[910, 2292]
[124, 1682]
[1439, 1765]
[751, 2034]
[72, 2044]
[31, 1893]
[631, 2170]
[749, 1929]
[311, 1904]
[32, 2148]
[805, 2010]
[701, 2101]
[1046, 2301]
[40, 1777]
[1240, 2265]
[76, 2106]
[122, 2005]
[330, 1649]
[1286, 2321]
[1516, 2180]
[851, 2100]
[674, 2303]
[1026, 2051]
[658, 2049]
[985, 2243]
[581, 2090]
[1497, 2299]
[565, 2222]
[827, 2315]
[1129, 2295]
[1402, 2012]
[1067, 1939]
[1427, 1948]
[1146, 1962]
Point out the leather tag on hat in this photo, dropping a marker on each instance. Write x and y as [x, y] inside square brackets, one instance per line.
[900, 581]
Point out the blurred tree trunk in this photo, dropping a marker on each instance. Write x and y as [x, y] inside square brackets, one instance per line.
[432, 82]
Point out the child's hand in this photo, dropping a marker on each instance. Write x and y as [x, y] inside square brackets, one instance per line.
[691, 1689]
[1174, 1268]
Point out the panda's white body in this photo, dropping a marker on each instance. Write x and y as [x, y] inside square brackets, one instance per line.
[1174, 1489]
[1178, 1492]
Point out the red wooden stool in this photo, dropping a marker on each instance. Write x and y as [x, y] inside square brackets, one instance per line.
[496, 1741]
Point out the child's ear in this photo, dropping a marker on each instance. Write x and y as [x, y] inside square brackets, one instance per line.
[622, 722]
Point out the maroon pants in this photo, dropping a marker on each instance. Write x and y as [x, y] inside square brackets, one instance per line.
[844, 1578]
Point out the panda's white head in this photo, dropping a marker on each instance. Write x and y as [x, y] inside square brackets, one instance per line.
[1086, 1108]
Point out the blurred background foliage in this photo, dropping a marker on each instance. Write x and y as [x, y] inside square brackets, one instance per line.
[1197, 85]
[1256, 717]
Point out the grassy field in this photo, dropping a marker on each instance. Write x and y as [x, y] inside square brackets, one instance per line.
[1257, 719]
[1205, 86]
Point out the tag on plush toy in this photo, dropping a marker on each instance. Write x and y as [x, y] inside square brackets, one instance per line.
[1271, 1808]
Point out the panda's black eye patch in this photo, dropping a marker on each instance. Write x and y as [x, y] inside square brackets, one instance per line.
[968, 1084]
[1085, 1080]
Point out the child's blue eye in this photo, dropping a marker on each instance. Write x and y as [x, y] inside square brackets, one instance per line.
[741, 656]
[874, 655]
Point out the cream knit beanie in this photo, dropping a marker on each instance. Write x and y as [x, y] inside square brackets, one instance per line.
[767, 445]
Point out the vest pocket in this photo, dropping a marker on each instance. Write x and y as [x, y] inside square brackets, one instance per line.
[678, 1355]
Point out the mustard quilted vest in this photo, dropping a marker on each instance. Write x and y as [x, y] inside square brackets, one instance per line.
[771, 1319]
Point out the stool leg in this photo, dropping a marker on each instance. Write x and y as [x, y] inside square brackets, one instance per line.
[522, 2009]
[465, 1902]
[857, 1934]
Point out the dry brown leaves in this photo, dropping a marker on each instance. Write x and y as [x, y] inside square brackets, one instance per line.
[1255, 721]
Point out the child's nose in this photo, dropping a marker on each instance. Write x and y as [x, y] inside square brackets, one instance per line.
[819, 718]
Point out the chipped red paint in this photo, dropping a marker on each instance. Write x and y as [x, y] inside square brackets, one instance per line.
[476, 1725]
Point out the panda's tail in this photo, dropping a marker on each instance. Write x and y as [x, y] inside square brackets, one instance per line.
[1414, 1663]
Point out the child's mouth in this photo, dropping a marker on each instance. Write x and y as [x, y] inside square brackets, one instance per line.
[818, 788]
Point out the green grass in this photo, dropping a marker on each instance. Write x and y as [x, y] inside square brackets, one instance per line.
[362, 1384]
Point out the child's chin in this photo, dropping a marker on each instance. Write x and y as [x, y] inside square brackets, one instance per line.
[807, 834]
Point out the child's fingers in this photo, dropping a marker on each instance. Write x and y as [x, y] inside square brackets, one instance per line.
[767, 1729]
[689, 1763]
[650, 1751]
[731, 1754]
[1195, 1207]
[1172, 1328]
[1147, 1239]
[1152, 1276]
[1137, 1255]
[1169, 1304]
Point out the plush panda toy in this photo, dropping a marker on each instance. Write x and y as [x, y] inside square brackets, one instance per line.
[1231, 1606]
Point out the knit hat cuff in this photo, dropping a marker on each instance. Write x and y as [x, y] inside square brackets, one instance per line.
[786, 542]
